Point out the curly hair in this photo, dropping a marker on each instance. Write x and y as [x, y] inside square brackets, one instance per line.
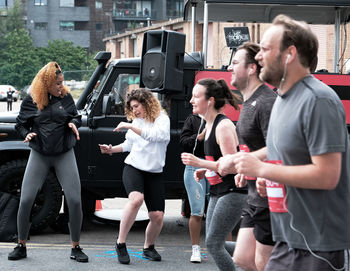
[43, 81]
[147, 99]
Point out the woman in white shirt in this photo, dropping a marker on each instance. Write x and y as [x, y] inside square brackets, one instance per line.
[146, 139]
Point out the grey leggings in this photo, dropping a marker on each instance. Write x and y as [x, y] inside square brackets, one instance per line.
[67, 173]
[222, 216]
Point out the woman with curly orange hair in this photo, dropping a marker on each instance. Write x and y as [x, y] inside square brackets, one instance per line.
[146, 139]
[48, 120]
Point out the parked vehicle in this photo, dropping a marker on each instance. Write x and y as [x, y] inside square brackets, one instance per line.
[24, 92]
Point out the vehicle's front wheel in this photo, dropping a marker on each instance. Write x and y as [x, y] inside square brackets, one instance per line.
[47, 203]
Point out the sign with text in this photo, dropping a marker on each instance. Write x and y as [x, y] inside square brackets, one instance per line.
[235, 36]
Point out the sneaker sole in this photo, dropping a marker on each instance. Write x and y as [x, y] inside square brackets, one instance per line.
[79, 260]
[16, 259]
[194, 259]
[151, 259]
[123, 262]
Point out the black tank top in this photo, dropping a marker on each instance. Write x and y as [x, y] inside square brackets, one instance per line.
[218, 185]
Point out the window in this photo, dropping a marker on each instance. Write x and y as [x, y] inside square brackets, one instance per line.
[3, 4]
[66, 26]
[78, 25]
[99, 27]
[66, 3]
[128, 8]
[80, 3]
[40, 26]
[98, 4]
[40, 2]
[174, 8]
[143, 8]
[124, 84]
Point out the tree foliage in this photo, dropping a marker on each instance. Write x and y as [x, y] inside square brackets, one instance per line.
[64, 52]
[14, 17]
[2, 24]
[92, 65]
[20, 60]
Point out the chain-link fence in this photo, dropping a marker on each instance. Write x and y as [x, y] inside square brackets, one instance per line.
[76, 81]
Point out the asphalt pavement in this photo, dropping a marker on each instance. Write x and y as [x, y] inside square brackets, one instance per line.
[50, 250]
[15, 106]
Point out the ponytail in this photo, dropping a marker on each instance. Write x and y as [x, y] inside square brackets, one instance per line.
[231, 98]
[220, 91]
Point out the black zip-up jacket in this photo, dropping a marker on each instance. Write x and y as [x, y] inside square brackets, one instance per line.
[50, 124]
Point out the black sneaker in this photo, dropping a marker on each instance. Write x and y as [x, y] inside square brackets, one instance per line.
[151, 254]
[18, 253]
[78, 255]
[123, 255]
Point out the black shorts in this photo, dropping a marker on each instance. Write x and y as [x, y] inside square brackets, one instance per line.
[149, 184]
[259, 219]
[291, 259]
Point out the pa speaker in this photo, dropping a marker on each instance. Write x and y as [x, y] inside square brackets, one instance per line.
[162, 61]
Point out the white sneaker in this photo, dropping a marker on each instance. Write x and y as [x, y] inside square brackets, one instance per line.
[196, 254]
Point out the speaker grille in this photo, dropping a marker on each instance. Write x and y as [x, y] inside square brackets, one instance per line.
[153, 70]
[162, 61]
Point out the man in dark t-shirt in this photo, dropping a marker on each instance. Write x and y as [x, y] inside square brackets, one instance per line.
[254, 241]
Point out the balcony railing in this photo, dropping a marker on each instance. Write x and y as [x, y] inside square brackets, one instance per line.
[132, 13]
[173, 13]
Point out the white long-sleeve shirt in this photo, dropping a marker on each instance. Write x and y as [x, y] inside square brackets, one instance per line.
[147, 152]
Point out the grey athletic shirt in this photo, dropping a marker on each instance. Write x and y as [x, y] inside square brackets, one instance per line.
[309, 120]
[252, 129]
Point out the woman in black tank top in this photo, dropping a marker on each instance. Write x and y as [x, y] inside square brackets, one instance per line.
[226, 200]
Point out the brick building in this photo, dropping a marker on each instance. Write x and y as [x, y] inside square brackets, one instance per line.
[130, 44]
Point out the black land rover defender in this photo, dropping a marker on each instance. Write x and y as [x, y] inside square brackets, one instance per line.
[101, 109]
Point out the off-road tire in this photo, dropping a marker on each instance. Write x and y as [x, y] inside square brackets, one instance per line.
[47, 203]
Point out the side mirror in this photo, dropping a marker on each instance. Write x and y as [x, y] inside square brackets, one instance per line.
[107, 104]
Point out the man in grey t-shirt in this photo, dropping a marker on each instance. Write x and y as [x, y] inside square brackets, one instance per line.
[308, 178]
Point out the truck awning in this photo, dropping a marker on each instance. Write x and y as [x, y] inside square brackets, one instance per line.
[264, 11]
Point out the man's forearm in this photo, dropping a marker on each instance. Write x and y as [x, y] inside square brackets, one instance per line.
[261, 154]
